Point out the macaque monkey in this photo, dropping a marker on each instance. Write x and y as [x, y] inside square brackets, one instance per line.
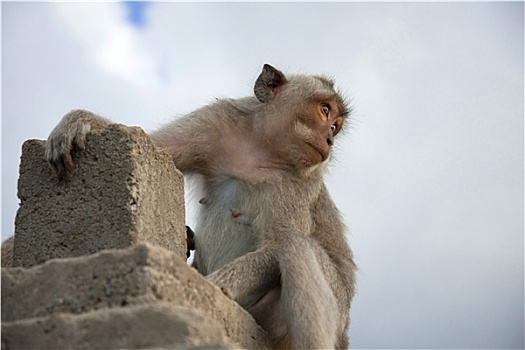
[7, 252]
[268, 232]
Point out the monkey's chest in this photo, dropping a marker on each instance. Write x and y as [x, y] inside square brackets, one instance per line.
[225, 229]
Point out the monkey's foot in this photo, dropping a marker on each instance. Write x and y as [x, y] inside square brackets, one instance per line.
[226, 291]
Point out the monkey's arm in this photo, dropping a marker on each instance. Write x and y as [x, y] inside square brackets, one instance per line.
[70, 133]
[190, 140]
[194, 140]
[293, 292]
[338, 266]
[329, 232]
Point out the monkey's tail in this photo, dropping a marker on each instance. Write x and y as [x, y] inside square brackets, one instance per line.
[307, 301]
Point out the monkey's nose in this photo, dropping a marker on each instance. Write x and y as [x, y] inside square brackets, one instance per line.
[330, 140]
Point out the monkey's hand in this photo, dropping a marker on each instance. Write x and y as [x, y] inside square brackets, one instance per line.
[227, 292]
[190, 241]
[221, 282]
[70, 134]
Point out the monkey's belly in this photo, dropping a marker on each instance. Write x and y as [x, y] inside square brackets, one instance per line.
[221, 235]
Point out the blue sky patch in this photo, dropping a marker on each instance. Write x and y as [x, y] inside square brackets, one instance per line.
[137, 12]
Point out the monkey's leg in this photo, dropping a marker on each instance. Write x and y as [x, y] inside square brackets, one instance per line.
[304, 304]
[250, 274]
[308, 304]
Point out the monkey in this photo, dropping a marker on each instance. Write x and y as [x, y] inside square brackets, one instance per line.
[268, 233]
[7, 252]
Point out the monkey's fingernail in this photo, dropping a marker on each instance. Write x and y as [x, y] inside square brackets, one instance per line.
[227, 292]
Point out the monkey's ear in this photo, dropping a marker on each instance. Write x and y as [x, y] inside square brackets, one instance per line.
[267, 83]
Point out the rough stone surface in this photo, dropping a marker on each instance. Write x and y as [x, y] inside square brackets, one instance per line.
[141, 274]
[101, 259]
[146, 326]
[123, 191]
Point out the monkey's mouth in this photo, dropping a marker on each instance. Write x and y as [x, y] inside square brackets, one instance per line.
[322, 153]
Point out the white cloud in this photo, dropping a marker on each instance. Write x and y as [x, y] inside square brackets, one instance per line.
[104, 34]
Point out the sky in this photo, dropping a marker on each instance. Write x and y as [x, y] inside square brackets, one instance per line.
[428, 176]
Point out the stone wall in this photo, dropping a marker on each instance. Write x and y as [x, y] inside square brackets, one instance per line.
[100, 261]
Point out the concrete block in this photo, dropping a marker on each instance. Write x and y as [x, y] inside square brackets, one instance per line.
[141, 274]
[123, 191]
[145, 326]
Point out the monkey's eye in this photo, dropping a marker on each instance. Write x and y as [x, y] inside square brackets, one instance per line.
[333, 127]
[326, 109]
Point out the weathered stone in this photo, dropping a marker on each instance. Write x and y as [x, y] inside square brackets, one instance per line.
[102, 258]
[141, 274]
[123, 191]
[145, 326]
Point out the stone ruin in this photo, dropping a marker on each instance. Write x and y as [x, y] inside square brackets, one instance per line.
[100, 261]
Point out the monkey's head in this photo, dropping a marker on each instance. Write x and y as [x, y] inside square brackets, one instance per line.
[302, 116]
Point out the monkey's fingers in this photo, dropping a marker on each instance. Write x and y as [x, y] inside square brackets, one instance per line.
[63, 167]
[58, 168]
[190, 241]
[79, 136]
[190, 238]
[220, 280]
[59, 157]
[70, 134]
[226, 291]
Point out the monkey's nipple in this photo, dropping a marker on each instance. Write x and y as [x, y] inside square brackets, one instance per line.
[236, 213]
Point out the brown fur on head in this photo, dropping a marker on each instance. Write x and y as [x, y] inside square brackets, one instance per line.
[302, 115]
